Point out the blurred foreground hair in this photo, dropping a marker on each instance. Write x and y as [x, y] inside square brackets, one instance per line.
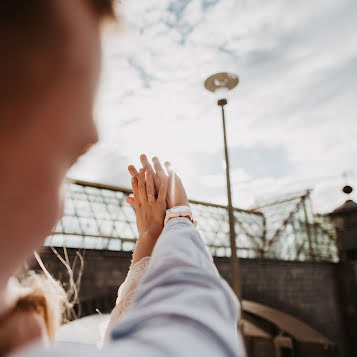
[39, 294]
[35, 308]
[37, 301]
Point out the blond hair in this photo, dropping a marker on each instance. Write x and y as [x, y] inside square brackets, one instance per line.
[35, 295]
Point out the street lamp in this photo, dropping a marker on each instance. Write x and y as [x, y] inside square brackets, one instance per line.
[218, 83]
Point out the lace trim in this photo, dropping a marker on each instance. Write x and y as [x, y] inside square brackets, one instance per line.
[127, 290]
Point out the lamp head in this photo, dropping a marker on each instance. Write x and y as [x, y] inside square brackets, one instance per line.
[220, 81]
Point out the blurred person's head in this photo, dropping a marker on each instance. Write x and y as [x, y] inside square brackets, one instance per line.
[49, 69]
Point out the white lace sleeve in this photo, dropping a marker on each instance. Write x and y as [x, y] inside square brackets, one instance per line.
[127, 289]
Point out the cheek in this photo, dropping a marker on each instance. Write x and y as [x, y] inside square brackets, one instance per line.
[45, 207]
[36, 200]
[60, 205]
[50, 198]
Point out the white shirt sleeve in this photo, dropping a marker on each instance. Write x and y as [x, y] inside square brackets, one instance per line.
[182, 307]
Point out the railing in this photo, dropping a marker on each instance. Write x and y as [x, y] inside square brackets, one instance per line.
[97, 217]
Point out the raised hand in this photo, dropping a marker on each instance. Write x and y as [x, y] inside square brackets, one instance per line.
[176, 194]
[150, 210]
[147, 166]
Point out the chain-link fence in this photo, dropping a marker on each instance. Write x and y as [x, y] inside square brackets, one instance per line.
[97, 217]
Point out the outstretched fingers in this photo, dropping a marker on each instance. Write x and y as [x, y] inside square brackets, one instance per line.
[163, 190]
[145, 189]
[131, 201]
[168, 167]
[134, 201]
[133, 171]
[150, 187]
[157, 166]
[160, 172]
[146, 165]
[142, 187]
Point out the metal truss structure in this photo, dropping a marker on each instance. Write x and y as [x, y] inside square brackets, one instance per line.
[97, 217]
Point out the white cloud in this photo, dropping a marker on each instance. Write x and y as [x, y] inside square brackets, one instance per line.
[297, 62]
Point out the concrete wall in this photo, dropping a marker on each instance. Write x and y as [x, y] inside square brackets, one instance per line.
[347, 282]
[306, 290]
[103, 272]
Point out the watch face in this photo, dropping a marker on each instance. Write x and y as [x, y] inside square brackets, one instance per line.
[179, 209]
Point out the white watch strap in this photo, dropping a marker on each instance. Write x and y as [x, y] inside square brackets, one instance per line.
[186, 213]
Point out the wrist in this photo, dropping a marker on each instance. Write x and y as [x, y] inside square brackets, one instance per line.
[180, 211]
[144, 247]
[149, 236]
[188, 217]
[179, 203]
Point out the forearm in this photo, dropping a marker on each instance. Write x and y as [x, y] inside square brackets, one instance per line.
[143, 248]
[183, 291]
[141, 255]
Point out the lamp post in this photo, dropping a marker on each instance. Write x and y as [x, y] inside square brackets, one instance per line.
[216, 83]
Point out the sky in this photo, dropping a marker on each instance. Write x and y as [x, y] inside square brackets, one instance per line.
[290, 121]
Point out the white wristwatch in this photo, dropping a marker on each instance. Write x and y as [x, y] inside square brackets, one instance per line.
[179, 211]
